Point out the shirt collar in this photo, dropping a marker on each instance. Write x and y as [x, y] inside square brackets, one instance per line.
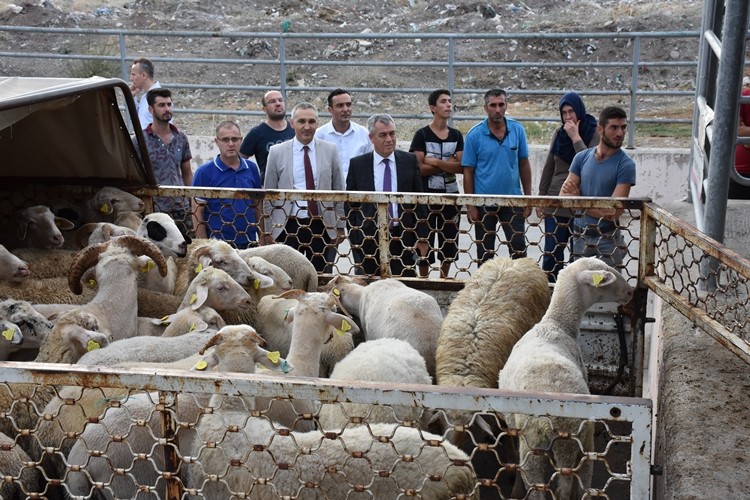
[150, 131]
[297, 146]
[379, 159]
[223, 167]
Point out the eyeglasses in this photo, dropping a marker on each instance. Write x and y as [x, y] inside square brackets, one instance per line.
[227, 140]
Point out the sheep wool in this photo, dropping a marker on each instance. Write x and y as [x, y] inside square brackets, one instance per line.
[497, 305]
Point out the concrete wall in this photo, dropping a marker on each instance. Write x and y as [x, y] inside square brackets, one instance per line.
[662, 173]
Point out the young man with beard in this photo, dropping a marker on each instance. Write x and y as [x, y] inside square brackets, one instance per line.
[169, 152]
[275, 130]
[232, 220]
[604, 171]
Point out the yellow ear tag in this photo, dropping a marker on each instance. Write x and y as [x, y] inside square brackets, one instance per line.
[256, 284]
[91, 283]
[165, 320]
[274, 356]
[199, 268]
[92, 345]
[193, 298]
[201, 365]
[149, 266]
[192, 327]
[8, 334]
[104, 208]
[345, 327]
[598, 278]
[337, 292]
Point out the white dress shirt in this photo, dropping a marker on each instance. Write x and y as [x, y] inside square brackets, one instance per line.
[144, 115]
[353, 142]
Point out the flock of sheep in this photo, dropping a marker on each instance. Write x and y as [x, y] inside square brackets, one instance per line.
[142, 294]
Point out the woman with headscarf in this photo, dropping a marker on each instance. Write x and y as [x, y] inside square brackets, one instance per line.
[576, 133]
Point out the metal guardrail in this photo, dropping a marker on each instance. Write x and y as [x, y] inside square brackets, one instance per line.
[454, 62]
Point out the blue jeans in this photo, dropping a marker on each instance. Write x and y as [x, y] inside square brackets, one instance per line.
[556, 235]
[609, 247]
[513, 223]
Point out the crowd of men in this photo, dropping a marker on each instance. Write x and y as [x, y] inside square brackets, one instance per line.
[301, 154]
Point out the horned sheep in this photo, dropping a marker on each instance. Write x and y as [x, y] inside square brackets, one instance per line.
[390, 309]
[549, 359]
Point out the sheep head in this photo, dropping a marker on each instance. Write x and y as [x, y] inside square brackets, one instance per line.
[89, 256]
[112, 201]
[41, 228]
[240, 341]
[11, 267]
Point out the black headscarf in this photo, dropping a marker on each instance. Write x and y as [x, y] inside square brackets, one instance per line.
[563, 146]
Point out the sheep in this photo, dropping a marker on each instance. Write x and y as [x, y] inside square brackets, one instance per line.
[47, 263]
[313, 320]
[103, 206]
[117, 264]
[12, 268]
[501, 301]
[181, 322]
[93, 233]
[74, 334]
[390, 309]
[282, 282]
[272, 323]
[236, 348]
[35, 227]
[210, 252]
[247, 458]
[300, 269]
[33, 326]
[214, 288]
[129, 219]
[147, 349]
[14, 464]
[381, 360]
[548, 359]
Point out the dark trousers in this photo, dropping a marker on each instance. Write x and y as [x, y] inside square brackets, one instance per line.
[309, 237]
[402, 261]
[556, 236]
[513, 223]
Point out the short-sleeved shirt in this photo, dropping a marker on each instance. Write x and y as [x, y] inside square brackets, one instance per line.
[259, 140]
[353, 142]
[601, 178]
[495, 162]
[144, 115]
[166, 160]
[229, 219]
[426, 141]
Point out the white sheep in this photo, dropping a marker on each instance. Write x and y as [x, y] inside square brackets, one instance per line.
[103, 206]
[47, 262]
[148, 349]
[211, 252]
[389, 309]
[235, 348]
[334, 466]
[34, 327]
[93, 233]
[12, 268]
[183, 321]
[282, 282]
[297, 266]
[548, 359]
[117, 264]
[381, 360]
[75, 333]
[315, 324]
[35, 227]
[19, 479]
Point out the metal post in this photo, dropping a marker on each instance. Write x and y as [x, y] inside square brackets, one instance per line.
[731, 64]
[451, 70]
[634, 90]
[123, 55]
[282, 65]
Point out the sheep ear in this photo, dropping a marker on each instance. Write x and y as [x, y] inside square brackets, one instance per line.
[23, 227]
[88, 340]
[64, 224]
[596, 279]
[289, 314]
[341, 323]
[198, 326]
[204, 261]
[206, 363]
[272, 360]
[261, 280]
[199, 297]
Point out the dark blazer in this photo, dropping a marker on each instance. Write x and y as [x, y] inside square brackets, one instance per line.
[361, 177]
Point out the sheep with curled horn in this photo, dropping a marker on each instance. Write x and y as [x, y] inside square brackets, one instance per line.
[118, 263]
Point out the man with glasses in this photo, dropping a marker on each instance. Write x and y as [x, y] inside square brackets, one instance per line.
[169, 152]
[233, 220]
[496, 161]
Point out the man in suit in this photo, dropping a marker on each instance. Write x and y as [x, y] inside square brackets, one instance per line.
[304, 163]
[384, 170]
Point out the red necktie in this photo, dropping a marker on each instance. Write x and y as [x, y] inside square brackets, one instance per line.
[312, 206]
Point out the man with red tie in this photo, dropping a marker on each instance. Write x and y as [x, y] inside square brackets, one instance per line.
[386, 170]
[304, 163]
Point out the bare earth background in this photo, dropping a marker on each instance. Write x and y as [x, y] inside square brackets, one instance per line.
[389, 16]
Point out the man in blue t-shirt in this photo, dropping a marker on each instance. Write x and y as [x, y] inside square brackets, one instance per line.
[605, 171]
[232, 220]
[275, 130]
[496, 161]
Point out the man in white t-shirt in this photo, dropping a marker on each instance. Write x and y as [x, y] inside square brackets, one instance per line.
[141, 81]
